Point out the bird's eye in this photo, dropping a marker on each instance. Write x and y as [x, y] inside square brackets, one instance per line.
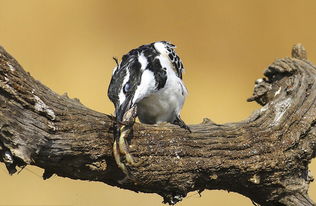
[126, 87]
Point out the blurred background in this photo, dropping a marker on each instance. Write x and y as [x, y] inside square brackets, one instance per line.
[225, 45]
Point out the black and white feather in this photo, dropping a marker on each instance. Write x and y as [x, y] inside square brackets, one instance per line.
[149, 77]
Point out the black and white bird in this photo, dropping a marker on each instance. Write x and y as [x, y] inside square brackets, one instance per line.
[148, 82]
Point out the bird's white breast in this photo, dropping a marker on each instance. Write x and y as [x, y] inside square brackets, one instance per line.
[165, 104]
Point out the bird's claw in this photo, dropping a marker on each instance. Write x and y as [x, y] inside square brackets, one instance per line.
[181, 123]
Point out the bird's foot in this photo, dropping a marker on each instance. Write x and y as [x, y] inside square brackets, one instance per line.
[180, 122]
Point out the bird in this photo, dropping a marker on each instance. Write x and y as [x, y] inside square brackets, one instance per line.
[147, 84]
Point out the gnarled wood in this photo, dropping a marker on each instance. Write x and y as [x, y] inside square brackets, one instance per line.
[264, 157]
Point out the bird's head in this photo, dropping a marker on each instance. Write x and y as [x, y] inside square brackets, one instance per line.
[139, 74]
[125, 79]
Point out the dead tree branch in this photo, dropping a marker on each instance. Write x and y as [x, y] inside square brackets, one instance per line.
[265, 157]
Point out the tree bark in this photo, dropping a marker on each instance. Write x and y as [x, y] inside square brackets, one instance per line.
[264, 157]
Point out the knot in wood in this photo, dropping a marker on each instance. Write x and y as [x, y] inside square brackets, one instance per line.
[299, 52]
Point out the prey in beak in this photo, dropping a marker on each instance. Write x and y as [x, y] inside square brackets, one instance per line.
[126, 112]
[146, 83]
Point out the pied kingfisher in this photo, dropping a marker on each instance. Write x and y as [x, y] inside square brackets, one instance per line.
[147, 83]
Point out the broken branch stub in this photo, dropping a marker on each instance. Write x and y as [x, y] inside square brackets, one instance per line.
[264, 157]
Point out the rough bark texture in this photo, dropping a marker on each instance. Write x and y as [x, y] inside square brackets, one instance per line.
[265, 157]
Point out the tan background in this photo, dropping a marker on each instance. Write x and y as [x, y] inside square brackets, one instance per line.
[225, 45]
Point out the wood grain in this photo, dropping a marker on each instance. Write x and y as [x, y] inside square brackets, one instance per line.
[264, 157]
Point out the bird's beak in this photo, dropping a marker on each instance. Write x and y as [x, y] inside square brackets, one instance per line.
[125, 107]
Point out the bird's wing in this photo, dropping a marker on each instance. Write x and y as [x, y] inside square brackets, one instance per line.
[175, 59]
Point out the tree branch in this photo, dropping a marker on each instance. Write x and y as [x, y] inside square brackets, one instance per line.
[264, 157]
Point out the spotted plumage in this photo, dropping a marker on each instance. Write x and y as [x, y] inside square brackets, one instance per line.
[146, 83]
[149, 77]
